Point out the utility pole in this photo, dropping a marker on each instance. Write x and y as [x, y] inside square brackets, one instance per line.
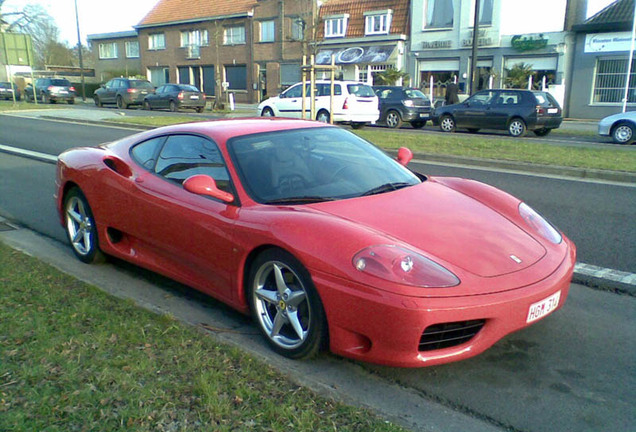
[79, 49]
[473, 59]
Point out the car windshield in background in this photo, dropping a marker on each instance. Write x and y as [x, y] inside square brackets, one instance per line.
[60, 82]
[415, 94]
[360, 90]
[140, 84]
[313, 165]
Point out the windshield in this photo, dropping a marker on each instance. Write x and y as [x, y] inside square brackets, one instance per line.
[415, 94]
[313, 165]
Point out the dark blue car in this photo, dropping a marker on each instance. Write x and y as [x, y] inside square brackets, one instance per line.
[400, 105]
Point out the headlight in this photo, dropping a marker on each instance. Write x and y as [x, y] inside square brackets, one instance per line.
[397, 264]
[539, 224]
[408, 103]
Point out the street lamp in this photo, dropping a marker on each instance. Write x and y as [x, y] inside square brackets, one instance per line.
[79, 49]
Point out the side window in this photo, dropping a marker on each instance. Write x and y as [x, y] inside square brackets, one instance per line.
[508, 98]
[183, 156]
[294, 92]
[145, 153]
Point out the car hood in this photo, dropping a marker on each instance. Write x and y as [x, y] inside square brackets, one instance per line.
[447, 225]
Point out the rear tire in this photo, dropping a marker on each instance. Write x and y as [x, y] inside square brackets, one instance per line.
[323, 116]
[473, 130]
[173, 106]
[199, 109]
[357, 125]
[542, 132]
[517, 127]
[120, 103]
[393, 119]
[447, 123]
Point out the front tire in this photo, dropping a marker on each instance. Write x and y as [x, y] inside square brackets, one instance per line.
[393, 119]
[286, 305]
[322, 116]
[147, 106]
[447, 124]
[81, 228]
[623, 133]
[517, 128]
[418, 124]
[267, 112]
[98, 102]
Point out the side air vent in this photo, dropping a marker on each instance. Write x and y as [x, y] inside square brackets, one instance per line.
[118, 166]
[447, 335]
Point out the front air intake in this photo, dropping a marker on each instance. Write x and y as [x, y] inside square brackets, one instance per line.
[447, 335]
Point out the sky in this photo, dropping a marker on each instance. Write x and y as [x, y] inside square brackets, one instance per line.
[520, 16]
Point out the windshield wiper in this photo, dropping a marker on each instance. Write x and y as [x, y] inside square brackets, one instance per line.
[387, 187]
[300, 200]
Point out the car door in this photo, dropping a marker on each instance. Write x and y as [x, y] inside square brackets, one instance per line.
[473, 113]
[290, 102]
[504, 106]
[110, 91]
[155, 99]
[186, 234]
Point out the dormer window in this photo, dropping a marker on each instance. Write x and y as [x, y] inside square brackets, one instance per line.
[377, 22]
[336, 25]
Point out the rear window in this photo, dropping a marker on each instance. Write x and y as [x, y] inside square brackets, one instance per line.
[140, 84]
[361, 90]
[545, 99]
[60, 82]
[189, 88]
[4, 85]
[415, 94]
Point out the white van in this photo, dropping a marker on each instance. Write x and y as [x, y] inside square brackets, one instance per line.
[354, 103]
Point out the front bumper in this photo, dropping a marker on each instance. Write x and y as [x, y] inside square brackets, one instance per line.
[386, 328]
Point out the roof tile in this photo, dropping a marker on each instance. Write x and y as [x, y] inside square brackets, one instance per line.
[356, 10]
[169, 11]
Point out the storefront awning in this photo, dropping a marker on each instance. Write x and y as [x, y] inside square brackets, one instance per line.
[357, 54]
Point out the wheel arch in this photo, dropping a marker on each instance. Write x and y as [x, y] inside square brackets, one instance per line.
[620, 123]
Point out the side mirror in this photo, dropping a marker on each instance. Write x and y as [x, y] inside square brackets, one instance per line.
[201, 184]
[404, 156]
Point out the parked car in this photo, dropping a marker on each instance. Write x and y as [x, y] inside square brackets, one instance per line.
[516, 111]
[123, 92]
[51, 90]
[7, 90]
[621, 127]
[399, 105]
[326, 240]
[174, 97]
[354, 103]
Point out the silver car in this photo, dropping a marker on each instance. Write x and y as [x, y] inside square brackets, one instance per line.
[621, 127]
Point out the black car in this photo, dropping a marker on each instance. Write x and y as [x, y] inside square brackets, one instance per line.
[7, 90]
[399, 105]
[175, 96]
[123, 92]
[51, 90]
[516, 111]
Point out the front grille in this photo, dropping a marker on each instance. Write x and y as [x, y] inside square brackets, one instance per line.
[448, 335]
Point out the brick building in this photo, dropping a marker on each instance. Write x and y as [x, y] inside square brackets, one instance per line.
[251, 48]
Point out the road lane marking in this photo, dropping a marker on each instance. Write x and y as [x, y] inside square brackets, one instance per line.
[43, 157]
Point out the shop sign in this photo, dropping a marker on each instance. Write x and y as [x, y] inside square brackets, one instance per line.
[437, 44]
[528, 43]
[606, 42]
[482, 41]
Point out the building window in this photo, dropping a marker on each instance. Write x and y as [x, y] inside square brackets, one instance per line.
[108, 50]
[438, 14]
[132, 49]
[485, 12]
[377, 22]
[156, 41]
[234, 35]
[298, 29]
[336, 26]
[194, 38]
[236, 76]
[267, 31]
[609, 81]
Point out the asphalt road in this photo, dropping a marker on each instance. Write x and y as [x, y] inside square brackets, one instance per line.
[572, 371]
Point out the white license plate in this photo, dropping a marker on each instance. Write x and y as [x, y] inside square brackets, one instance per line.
[544, 307]
[553, 110]
[63, 92]
[194, 97]
[423, 115]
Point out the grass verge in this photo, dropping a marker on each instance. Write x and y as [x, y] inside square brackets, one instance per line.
[8, 105]
[75, 358]
[519, 150]
[479, 146]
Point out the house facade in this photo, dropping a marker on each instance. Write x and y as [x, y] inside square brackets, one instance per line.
[441, 48]
[115, 54]
[601, 63]
[250, 48]
[363, 37]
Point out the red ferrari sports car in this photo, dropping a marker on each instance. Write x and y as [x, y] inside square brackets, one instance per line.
[322, 237]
